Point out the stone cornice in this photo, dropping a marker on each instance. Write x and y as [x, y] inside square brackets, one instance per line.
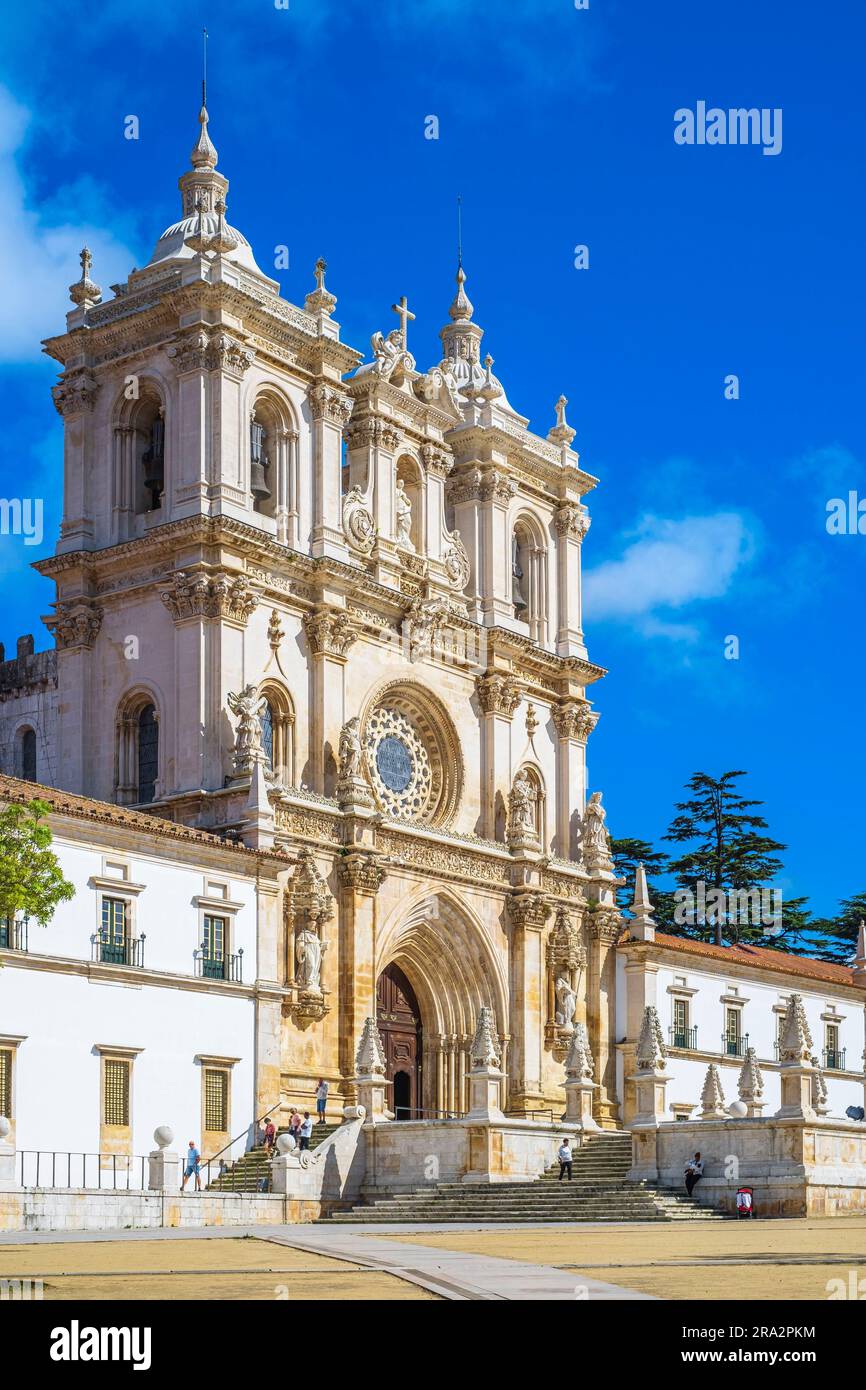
[723, 970]
[528, 455]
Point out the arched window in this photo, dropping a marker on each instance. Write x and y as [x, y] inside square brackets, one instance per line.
[26, 759]
[529, 578]
[266, 721]
[137, 752]
[277, 723]
[149, 452]
[148, 753]
[274, 479]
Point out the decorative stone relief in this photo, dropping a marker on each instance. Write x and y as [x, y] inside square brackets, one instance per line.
[750, 1084]
[456, 561]
[352, 786]
[359, 527]
[529, 910]
[362, 872]
[795, 1040]
[579, 1065]
[199, 595]
[572, 521]
[75, 623]
[497, 694]
[370, 1058]
[75, 393]
[329, 403]
[329, 631]
[574, 719]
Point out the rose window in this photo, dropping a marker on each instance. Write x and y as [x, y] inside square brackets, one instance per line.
[400, 766]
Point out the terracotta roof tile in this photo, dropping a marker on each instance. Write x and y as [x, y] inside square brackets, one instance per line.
[778, 961]
[104, 812]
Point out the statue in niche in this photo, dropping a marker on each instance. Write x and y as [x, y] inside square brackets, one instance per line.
[516, 579]
[403, 517]
[351, 753]
[249, 706]
[566, 999]
[522, 807]
[308, 955]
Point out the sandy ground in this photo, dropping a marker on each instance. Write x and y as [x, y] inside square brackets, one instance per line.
[199, 1269]
[724, 1260]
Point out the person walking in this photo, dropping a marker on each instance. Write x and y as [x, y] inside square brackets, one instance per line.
[565, 1160]
[270, 1136]
[193, 1167]
[306, 1130]
[694, 1172]
[321, 1100]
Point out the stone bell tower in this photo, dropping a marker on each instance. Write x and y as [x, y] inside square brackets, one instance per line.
[203, 418]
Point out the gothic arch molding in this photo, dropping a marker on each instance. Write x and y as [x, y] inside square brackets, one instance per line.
[444, 952]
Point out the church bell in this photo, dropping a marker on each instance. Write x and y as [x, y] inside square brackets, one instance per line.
[259, 464]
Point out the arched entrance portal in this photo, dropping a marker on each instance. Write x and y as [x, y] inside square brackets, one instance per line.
[399, 1020]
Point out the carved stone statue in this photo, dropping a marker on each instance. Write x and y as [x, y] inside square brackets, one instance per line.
[248, 705]
[516, 579]
[521, 809]
[403, 517]
[566, 998]
[390, 358]
[594, 840]
[351, 752]
[308, 956]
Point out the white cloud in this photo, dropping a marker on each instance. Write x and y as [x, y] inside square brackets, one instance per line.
[41, 253]
[668, 565]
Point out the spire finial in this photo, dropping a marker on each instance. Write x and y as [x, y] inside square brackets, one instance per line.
[84, 292]
[204, 155]
[204, 67]
[459, 231]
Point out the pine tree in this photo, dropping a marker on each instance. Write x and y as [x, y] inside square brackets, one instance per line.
[728, 851]
[627, 854]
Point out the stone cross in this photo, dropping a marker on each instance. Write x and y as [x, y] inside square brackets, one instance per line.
[405, 316]
[321, 267]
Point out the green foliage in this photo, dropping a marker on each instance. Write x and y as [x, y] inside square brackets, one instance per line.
[31, 881]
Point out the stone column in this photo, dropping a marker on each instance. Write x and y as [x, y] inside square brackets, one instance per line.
[603, 930]
[649, 1083]
[574, 721]
[572, 524]
[496, 493]
[528, 911]
[270, 973]
[330, 408]
[76, 624]
[361, 876]
[498, 698]
[329, 635]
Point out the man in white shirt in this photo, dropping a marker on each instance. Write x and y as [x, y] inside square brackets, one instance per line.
[565, 1160]
[305, 1130]
[694, 1172]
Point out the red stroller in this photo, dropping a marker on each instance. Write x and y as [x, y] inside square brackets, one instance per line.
[745, 1206]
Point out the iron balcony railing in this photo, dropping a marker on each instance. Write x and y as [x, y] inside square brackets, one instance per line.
[223, 967]
[127, 952]
[834, 1059]
[735, 1046]
[13, 933]
[685, 1038]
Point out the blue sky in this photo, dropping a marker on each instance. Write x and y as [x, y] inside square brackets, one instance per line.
[556, 126]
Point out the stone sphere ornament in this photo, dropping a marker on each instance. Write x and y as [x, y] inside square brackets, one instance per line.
[738, 1109]
[285, 1144]
[162, 1136]
[5, 1127]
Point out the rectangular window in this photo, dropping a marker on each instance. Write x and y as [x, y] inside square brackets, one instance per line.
[112, 931]
[681, 1022]
[116, 1092]
[6, 1082]
[214, 947]
[733, 1035]
[216, 1100]
[834, 1058]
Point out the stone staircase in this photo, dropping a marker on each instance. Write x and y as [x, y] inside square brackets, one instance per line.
[247, 1173]
[598, 1192]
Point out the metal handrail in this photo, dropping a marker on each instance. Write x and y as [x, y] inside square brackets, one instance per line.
[735, 1046]
[59, 1164]
[684, 1038]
